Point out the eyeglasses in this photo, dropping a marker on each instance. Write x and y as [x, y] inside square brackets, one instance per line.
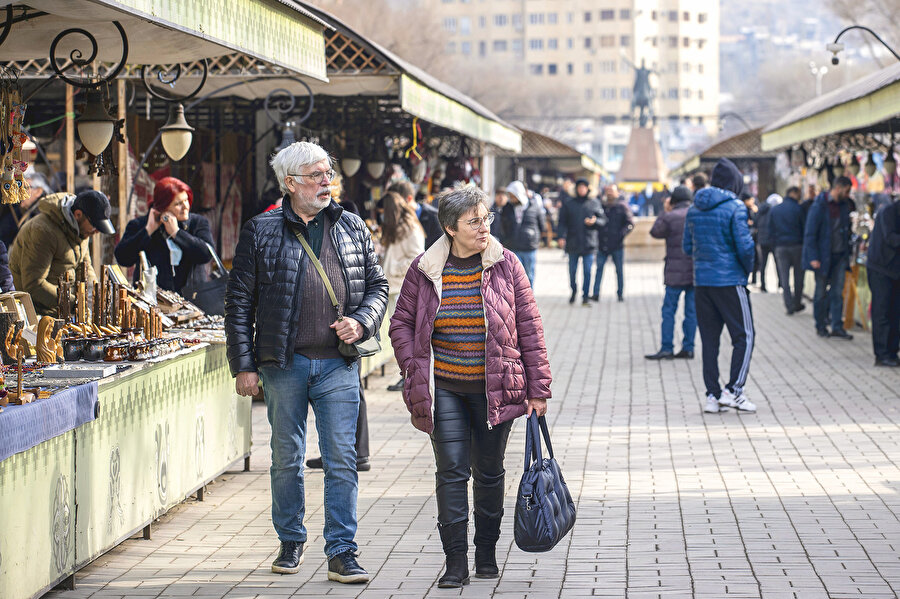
[318, 176]
[477, 223]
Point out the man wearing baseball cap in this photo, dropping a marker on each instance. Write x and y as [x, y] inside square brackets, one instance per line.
[55, 242]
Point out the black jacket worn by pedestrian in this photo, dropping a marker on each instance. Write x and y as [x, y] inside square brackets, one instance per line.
[679, 270]
[263, 299]
[764, 236]
[524, 235]
[428, 218]
[6, 278]
[619, 223]
[884, 243]
[786, 222]
[580, 239]
[192, 237]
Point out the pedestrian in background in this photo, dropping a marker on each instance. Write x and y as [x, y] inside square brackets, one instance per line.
[468, 336]
[752, 210]
[426, 214]
[699, 181]
[521, 225]
[718, 238]
[826, 251]
[678, 276]
[578, 219]
[611, 240]
[883, 269]
[785, 227]
[765, 242]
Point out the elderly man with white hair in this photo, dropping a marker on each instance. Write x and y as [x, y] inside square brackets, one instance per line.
[305, 289]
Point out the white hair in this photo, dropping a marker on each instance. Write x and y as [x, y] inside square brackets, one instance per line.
[299, 154]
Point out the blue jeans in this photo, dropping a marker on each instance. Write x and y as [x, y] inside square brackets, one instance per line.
[587, 262]
[528, 260]
[688, 326]
[828, 298]
[332, 388]
[617, 258]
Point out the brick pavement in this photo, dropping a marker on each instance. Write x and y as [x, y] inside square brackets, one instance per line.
[798, 501]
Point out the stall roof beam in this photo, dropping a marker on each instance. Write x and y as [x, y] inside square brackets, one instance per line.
[861, 104]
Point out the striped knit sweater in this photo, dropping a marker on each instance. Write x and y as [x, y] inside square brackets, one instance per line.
[459, 329]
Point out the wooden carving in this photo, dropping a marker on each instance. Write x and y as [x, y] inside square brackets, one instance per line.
[49, 340]
[10, 335]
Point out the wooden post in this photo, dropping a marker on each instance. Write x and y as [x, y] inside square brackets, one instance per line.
[123, 160]
[97, 239]
[70, 139]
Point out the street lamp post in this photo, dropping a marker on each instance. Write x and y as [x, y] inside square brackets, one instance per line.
[818, 73]
[836, 47]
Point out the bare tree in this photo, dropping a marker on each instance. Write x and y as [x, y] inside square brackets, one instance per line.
[879, 15]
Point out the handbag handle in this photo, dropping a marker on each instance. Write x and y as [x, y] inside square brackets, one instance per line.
[219, 266]
[312, 258]
[536, 427]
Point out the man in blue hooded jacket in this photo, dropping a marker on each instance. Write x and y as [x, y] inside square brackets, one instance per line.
[717, 237]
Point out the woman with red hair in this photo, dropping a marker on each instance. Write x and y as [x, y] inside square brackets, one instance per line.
[174, 239]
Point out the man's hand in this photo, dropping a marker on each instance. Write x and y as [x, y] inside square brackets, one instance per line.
[348, 330]
[247, 384]
[815, 264]
[561, 242]
[539, 406]
[590, 221]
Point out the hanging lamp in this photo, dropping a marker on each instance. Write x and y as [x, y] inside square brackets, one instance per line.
[95, 125]
[176, 135]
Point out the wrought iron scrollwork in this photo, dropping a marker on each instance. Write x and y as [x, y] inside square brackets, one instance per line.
[169, 77]
[284, 102]
[7, 26]
[78, 60]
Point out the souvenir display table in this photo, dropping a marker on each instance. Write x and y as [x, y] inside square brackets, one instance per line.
[93, 464]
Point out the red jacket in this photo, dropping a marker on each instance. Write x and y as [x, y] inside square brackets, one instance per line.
[516, 364]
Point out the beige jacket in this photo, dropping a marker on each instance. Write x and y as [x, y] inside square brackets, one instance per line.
[399, 255]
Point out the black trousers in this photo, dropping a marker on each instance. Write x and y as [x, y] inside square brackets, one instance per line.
[885, 314]
[789, 257]
[763, 252]
[728, 307]
[463, 447]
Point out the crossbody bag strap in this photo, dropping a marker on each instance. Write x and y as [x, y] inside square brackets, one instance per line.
[321, 271]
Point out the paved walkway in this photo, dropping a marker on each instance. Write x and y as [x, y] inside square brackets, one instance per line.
[798, 501]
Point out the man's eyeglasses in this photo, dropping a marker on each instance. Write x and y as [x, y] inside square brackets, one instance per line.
[477, 223]
[318, 176]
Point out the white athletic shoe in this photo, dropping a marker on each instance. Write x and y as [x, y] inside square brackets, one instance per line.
[713, 406]
[738, 402]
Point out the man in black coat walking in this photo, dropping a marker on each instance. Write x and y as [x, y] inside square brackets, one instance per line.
[578, 221]
[785, 228]
[883, 269]
[611, 240]
[678, 276]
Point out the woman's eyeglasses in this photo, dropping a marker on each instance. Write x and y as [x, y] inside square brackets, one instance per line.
[319, 176]
[477, 223]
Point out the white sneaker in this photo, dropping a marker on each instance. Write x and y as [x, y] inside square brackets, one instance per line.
[713, 406]
[738, 402]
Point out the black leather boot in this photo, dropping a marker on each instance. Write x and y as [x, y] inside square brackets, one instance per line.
[487, 532]
[454, 538]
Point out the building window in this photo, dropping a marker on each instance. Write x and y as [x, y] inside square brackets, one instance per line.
[588, 68]
[501, 20]
[570, 69]
[536, 44]
[587, 42]
[625, 14]
[587, 16]
[607, 41]
[570, 43]
[673, 16]
[686, 16]
[552, 43]
[687, 93]
[482, 22]
[700, 68]
[551, 18]
[517, 47]
[673, 41]
[482, 48]
[701, 17]
[536, 69]
[607, 15]
[499, 45]
[700, 43]
[700, 93]
[625, 66]
[625, 93]
[551, 69]
[466, 48]
[451, 48]
[450, 24]
[608, 93]
[673, 93]
[625, 41]
[465, 26]
[536, 18]
[654, 15]
[672, 67]
[686, 67]
[570, 17]
[588, 94]
[686, 42]
[653, 41]
[607, 66]
[517, 22]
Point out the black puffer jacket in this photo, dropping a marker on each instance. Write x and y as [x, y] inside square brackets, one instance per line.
[265, 283]
[580, 239]
[619, 224]
[521, 235]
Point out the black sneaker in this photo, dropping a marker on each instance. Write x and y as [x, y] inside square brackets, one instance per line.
[822, 332]
[362, 464]
[841, 334]
[344, 568]
[572, 297]
[398, 386]
[685, 354]
[586, 301]
[660, 355]
[289, 558]
[620, 299]
[595, 298]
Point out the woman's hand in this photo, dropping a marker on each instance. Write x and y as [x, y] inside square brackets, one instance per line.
[153, 221]
[538, 406]
[170, 223]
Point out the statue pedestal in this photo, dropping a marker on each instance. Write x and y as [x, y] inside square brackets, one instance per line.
[643, 161]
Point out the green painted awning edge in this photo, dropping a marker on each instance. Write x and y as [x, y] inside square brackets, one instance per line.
[418, 99]
[264, 29]
[854, 114]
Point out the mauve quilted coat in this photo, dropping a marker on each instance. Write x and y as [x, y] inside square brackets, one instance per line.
[516, 365]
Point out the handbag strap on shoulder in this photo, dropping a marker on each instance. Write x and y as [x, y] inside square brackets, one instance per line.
[315, 261]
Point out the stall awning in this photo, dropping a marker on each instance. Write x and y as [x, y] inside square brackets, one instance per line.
[540, 147]
[742, 146]
[280, 32]
[863, 103]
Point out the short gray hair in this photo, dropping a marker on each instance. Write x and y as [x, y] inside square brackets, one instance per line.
[454, 203]
[299, 154]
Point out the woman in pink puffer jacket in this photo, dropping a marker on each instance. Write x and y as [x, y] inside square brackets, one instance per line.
[470, 344]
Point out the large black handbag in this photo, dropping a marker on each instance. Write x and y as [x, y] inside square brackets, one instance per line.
[545, 512]
[207, 295]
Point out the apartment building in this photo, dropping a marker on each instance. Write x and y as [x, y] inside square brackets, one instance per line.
[583, 51]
